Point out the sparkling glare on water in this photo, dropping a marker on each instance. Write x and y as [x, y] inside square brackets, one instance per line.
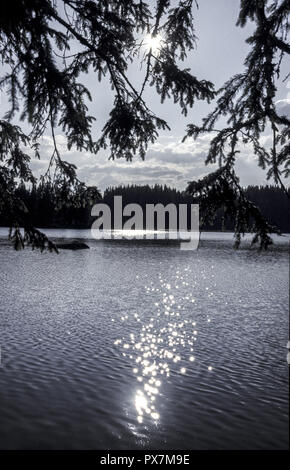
[141, 345]
[164, 345]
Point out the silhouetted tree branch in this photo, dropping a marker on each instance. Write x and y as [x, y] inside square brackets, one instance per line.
[248, 102]
[34, 35]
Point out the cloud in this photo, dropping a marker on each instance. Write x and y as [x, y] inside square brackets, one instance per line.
[283, 107]
[169, 161]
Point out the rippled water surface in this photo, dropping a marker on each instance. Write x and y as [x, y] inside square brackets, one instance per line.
[131, 345]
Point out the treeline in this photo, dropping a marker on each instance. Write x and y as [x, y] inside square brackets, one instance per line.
[46, 212]
[271, 200]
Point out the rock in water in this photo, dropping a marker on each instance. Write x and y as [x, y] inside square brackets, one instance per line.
[72, 245]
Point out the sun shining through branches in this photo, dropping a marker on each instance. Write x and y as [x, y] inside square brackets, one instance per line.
[153, 43]
[45, 87]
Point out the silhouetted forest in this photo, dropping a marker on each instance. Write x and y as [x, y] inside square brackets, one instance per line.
[46, 212]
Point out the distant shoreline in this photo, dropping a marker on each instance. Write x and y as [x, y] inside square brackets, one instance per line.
[207, 238]
[43, 229]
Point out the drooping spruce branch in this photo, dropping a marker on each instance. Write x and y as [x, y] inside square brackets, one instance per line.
[43, 78]
[221, 190]
[247, 100]
[105, 32]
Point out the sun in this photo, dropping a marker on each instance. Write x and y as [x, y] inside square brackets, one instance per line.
[153, 43]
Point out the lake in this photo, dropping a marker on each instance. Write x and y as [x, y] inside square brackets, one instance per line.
[143, 346]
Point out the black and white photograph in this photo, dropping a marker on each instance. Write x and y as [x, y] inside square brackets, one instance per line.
[144, 229]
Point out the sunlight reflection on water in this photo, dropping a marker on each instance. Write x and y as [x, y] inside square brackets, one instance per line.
[163, 345]
[134, 347]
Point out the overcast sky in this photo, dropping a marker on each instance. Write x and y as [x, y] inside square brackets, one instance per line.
[221, 50]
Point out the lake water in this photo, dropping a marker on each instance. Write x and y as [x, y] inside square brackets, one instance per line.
[142, 346]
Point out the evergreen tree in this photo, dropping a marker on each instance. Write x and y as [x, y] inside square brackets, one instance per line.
[248, 102]
[43, 81]
[48, 92]
[42, 203]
